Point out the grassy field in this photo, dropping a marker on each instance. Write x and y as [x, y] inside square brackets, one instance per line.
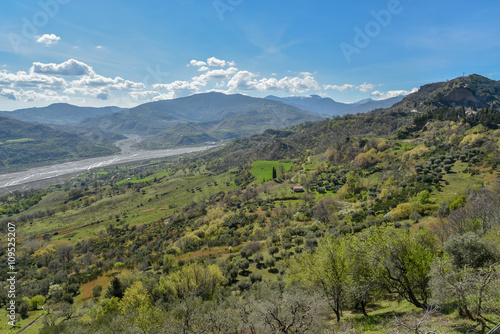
[20, 322]
[20, 140]
[263, 170]
[158, 175]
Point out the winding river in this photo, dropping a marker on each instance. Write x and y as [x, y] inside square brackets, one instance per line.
[50, 174]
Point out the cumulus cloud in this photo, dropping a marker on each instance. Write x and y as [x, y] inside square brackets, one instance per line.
[75, 79]
[70, 67]
[245, 80]
[31, 95]
[48, 39]
[151, 95]
[197, 63]
[342, 88]
[215, 74]
[365, 87]
[212, 61]
[392, 93]
[117, 83]
[31, 80]
[179, 88]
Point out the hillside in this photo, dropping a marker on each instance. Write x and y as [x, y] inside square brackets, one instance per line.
[156, 117]
[242, 124]
[140, 233]
[59, 114]
[327, 106]
[473, 90]
[368, 222]
[24, 144]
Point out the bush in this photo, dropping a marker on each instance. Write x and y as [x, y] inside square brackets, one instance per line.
[245, 252]
[255, 277]
[270, 262]
[258, 257]
[243, 264]
[471, 250]
[96, 291]
[68, 298]
[273, 250]
[253, 246]
[244, 285]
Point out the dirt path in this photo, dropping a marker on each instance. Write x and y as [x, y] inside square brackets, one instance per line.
[301, 171]
[32, 323]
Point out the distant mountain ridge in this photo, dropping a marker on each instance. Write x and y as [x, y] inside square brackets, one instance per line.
[327, 106]
[201, 117]
[59, 113]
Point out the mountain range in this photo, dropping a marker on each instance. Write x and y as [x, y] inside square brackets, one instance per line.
[59, 113]
[329, 107]
[206, 117]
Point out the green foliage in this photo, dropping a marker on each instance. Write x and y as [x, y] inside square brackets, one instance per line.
[96, 291]
[134, 297]
[470, 250]
[26, 144]
[115, 289]
[404, 259]
[202, 281]
[458, 202]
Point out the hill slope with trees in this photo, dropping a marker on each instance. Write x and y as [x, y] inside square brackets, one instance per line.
[26, 144]
[396, 229]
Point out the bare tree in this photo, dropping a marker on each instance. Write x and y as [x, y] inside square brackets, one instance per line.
[424, 322]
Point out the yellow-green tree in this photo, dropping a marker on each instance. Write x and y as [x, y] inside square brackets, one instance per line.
[134, 297]
[326, 269]
[196, 279]
[404, 259]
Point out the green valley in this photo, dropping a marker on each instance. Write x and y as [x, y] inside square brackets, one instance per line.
[397, 230]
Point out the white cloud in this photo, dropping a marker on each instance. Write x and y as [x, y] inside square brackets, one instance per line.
[183, 87]
[212, 61]
[365, 87]
[392, 93]
[31, 95]
[48, 39]
[31, 80]
[177, 85]
[216, 74]
[49, 81]
[178, 88]
[70, 67]
[99, 47]
[245, 80]
[96, 80]
[342, 88]
[197, 63]
[151, 95]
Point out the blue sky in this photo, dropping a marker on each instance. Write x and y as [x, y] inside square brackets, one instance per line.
[121, 52]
